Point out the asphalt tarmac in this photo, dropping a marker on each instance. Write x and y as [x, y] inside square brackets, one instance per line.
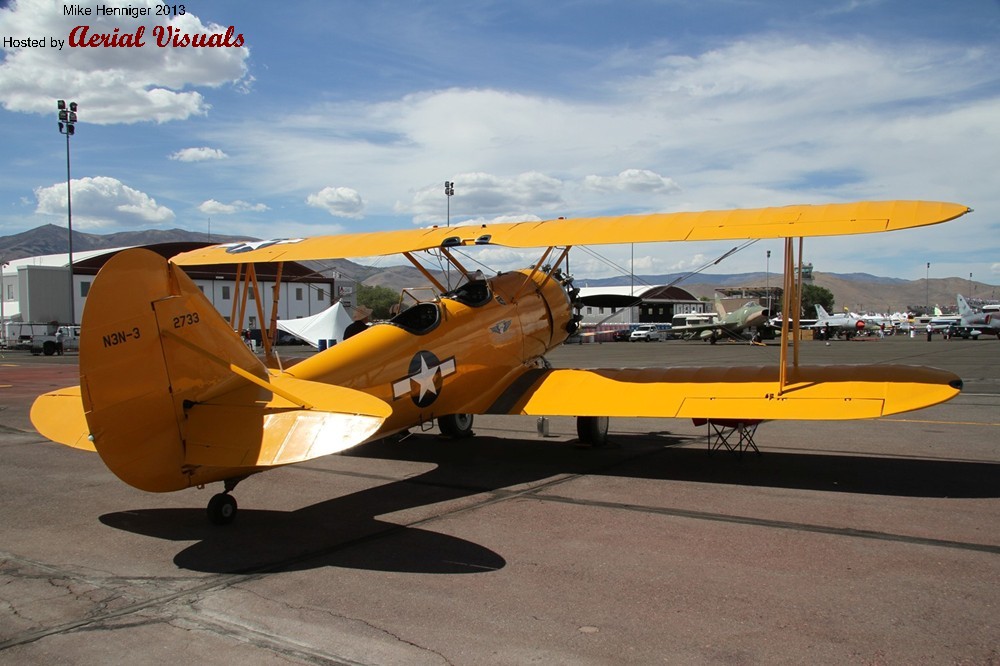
[864, 542]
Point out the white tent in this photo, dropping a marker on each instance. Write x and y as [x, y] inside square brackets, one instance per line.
[327, 325]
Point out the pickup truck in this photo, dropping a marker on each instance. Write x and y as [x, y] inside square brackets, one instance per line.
[49, 345]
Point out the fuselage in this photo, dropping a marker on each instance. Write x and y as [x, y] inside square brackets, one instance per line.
[452, 355]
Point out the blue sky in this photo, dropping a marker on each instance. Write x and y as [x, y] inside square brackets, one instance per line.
[349, 116]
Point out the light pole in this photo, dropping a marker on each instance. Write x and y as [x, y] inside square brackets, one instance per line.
[927, 292]
[767, 282]
[67, 126]
[449, 191]
[970, 285]
[3, 297]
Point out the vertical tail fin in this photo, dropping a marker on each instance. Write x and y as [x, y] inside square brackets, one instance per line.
[719, 307]
[134, 374]
[174, 398]
[963, 307]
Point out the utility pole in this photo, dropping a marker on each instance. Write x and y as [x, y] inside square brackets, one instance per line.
[449, 192]
[927, 292]
[767, 282]
[67, 127]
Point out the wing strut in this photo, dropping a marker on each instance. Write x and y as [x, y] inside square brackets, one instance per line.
[791, 303]
[272, 329]
[440, 287]
[564, 256]
[239, 276]
[246, 280]
[556, 264]
[259, 303]
[534, 269]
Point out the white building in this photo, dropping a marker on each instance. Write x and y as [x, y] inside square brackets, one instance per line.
[35, 289]
[638, 304]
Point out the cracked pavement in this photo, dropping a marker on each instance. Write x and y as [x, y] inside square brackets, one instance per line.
[855, 542]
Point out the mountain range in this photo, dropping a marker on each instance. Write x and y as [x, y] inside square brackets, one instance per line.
[859, 292]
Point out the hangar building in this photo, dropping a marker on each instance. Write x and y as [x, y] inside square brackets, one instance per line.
[34, 289]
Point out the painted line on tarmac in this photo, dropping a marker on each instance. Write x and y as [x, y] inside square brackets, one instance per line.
[928, 421]
[778, 524]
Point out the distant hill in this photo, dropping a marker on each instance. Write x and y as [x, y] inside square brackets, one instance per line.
[855, 291]
[858, 292]
[51, 239]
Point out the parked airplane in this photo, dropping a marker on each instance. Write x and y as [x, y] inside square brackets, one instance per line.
[731, 324]
[971, 320]
[846, 323]
[171, 398]
[941, 322]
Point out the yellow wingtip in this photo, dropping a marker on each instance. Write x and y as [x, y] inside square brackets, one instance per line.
[58, 415]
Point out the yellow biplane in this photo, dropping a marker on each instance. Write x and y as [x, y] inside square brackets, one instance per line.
[170, 397]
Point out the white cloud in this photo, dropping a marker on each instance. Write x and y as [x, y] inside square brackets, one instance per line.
[213, 207]
[102, 202]
[338, 201]
[499, 219]
[762, 121]
[632, 180]
[483, 194]
[112, 85]
[198, 154]
[759, 122]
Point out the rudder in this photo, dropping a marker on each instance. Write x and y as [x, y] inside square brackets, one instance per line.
[134, 375]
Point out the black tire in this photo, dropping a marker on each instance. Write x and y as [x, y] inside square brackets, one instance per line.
[222, 509]
[592, 430]
[48, 348]
[456, 425]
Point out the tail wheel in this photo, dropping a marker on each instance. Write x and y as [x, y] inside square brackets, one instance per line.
[222, 509]
[456, 425]
[592, 430]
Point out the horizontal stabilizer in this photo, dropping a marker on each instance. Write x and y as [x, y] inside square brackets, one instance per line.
[171, 397]
[58, 415]
[810, 393]
[232, 432]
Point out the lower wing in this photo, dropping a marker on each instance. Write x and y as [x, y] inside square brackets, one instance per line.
[810, 392]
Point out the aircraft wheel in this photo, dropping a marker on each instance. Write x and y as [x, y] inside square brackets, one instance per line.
[592, 430]
[222, 509]
[456, 425]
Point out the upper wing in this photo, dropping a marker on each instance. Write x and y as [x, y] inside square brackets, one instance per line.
[784, 222]
[813, 393]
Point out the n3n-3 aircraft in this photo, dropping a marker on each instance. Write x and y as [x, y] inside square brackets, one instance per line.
[170, 397]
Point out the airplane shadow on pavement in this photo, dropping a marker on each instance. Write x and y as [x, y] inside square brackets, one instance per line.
[344, 531]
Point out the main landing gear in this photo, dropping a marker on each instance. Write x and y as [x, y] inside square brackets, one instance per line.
[222, 507]
[592, 430]
[456, 426]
